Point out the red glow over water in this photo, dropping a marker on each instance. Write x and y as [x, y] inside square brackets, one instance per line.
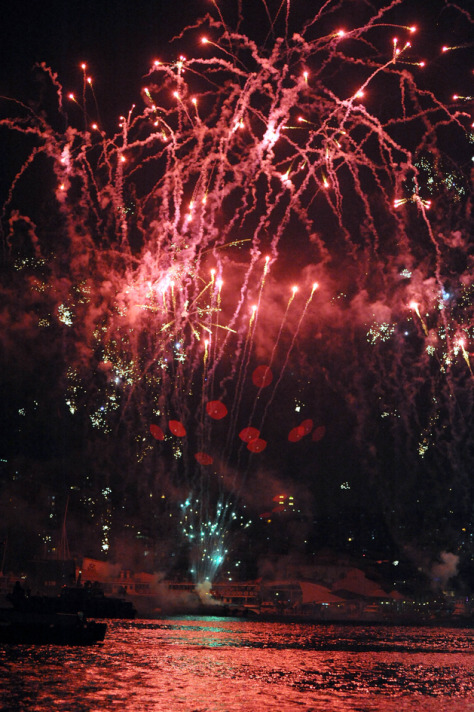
[230, 665]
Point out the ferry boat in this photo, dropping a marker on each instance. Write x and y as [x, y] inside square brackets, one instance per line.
[35, 628]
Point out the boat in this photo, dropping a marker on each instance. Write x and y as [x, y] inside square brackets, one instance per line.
[33, 628]
[93, 602]
[88, 600]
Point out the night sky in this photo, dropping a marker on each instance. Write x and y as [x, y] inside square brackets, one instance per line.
[254, 156]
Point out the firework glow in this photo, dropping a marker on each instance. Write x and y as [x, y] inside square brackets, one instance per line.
[275, 239]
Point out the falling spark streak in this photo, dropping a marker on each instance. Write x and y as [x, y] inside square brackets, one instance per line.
[290, 349]
[462, 345]
[294, 291]
[416, 308]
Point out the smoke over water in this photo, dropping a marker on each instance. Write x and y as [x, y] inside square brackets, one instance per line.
[446, 569]
[262, 277]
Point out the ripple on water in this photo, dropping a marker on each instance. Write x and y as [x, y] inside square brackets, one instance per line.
[229, 665]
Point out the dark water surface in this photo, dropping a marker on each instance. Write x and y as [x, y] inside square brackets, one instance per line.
[231, 665]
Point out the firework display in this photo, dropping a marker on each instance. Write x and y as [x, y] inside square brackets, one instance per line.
[267, 261]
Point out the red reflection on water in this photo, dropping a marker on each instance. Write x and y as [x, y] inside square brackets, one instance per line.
[234, 665]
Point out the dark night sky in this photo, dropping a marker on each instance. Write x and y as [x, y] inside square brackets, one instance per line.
[119, 40]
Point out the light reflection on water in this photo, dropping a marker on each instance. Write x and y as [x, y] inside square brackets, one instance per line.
[230, 665]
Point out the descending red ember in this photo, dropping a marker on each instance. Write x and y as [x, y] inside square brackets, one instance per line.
[248, 434]
[203, 458]
[296, 434]
[300, 431]
[177, 428]
[216, 409]
[319, 433]
[262, 376]
[157, 432]
[257, 445]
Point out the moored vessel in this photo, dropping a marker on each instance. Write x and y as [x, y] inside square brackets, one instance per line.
[35, 628]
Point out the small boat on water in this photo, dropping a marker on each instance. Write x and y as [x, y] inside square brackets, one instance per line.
[88, 600]
[33, 628]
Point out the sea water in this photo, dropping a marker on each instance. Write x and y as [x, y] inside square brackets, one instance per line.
[235, 665]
